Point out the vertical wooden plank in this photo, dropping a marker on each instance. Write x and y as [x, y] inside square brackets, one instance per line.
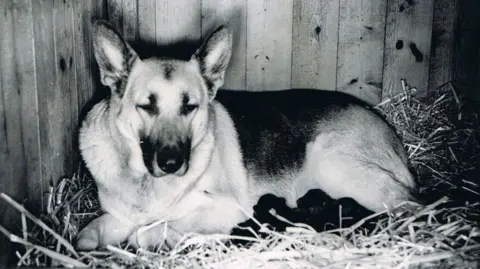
[99, 8]
[6, 212]
[407, 45]
[49, 96]
[146, 20]
[45, 80]
[59, 110]
[123, 14]
[360, 46]
[443, 40]
[269, 44]
[11, 157]
[233, 14]
[130, 19]
[315, 39]
[20, 172]
[115, 13]
[178, 21]
[84, 14]
[65, 48]
[20, 121]
[25, 84]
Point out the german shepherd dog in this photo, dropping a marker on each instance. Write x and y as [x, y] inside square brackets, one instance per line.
[171, 155]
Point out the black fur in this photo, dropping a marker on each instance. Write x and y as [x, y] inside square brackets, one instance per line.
[148, 151]
[151, 108]
[274, 127]
[315, 208]
[187, 108]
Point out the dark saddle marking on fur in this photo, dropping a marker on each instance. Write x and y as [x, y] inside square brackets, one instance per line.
[274, 127]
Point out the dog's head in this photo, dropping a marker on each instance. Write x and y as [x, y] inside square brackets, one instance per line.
[163, 104]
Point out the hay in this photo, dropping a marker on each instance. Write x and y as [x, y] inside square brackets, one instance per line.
[441, 135]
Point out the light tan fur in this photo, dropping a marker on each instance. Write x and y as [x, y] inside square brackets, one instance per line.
[354, 154]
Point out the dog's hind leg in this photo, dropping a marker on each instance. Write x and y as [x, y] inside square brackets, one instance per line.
[370, 185]
[102, 231]
[376, 177]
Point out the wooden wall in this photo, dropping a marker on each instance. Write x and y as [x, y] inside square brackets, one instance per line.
[45, 63]
[47, 72]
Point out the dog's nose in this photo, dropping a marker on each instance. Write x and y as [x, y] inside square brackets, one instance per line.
[170, 166]
[170, 160]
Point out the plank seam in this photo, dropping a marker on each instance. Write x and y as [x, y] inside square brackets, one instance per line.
[338, 44]
[427, 89]
[382, 90]
[291, 54]
[201, 22]
[246, 41]
[246, 45]
[37, 116]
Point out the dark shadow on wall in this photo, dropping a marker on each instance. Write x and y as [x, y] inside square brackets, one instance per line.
[467, 49]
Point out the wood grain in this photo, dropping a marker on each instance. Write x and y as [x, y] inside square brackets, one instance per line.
[360, 46]
[269, 44]
[98, 8]
[146, 20]
[178, 20]
[123, 14]
[407, 45]
[130, 19]
[443, 40]
[45, 80]
[84, 13]
[115, 13]
[314, 48]
[61, 113]
[20, 172]
[20, 127]
[233, 14]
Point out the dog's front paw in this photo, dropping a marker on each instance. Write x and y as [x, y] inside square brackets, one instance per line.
[157, 236]
[102, 231]
[88, 239]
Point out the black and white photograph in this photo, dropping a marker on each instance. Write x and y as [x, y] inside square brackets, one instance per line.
[238, 134]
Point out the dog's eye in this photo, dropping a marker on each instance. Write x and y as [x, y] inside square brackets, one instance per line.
[188, 108]
[149, 108]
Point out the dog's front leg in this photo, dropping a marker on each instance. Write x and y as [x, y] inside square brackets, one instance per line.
[198, 212]
[102, 231]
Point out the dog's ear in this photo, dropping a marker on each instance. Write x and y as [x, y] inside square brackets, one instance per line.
[214, 55]
[114, 56]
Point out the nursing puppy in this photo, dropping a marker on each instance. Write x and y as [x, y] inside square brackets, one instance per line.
[171, 155]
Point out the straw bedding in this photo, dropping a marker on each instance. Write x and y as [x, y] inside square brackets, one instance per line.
[441, 135]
